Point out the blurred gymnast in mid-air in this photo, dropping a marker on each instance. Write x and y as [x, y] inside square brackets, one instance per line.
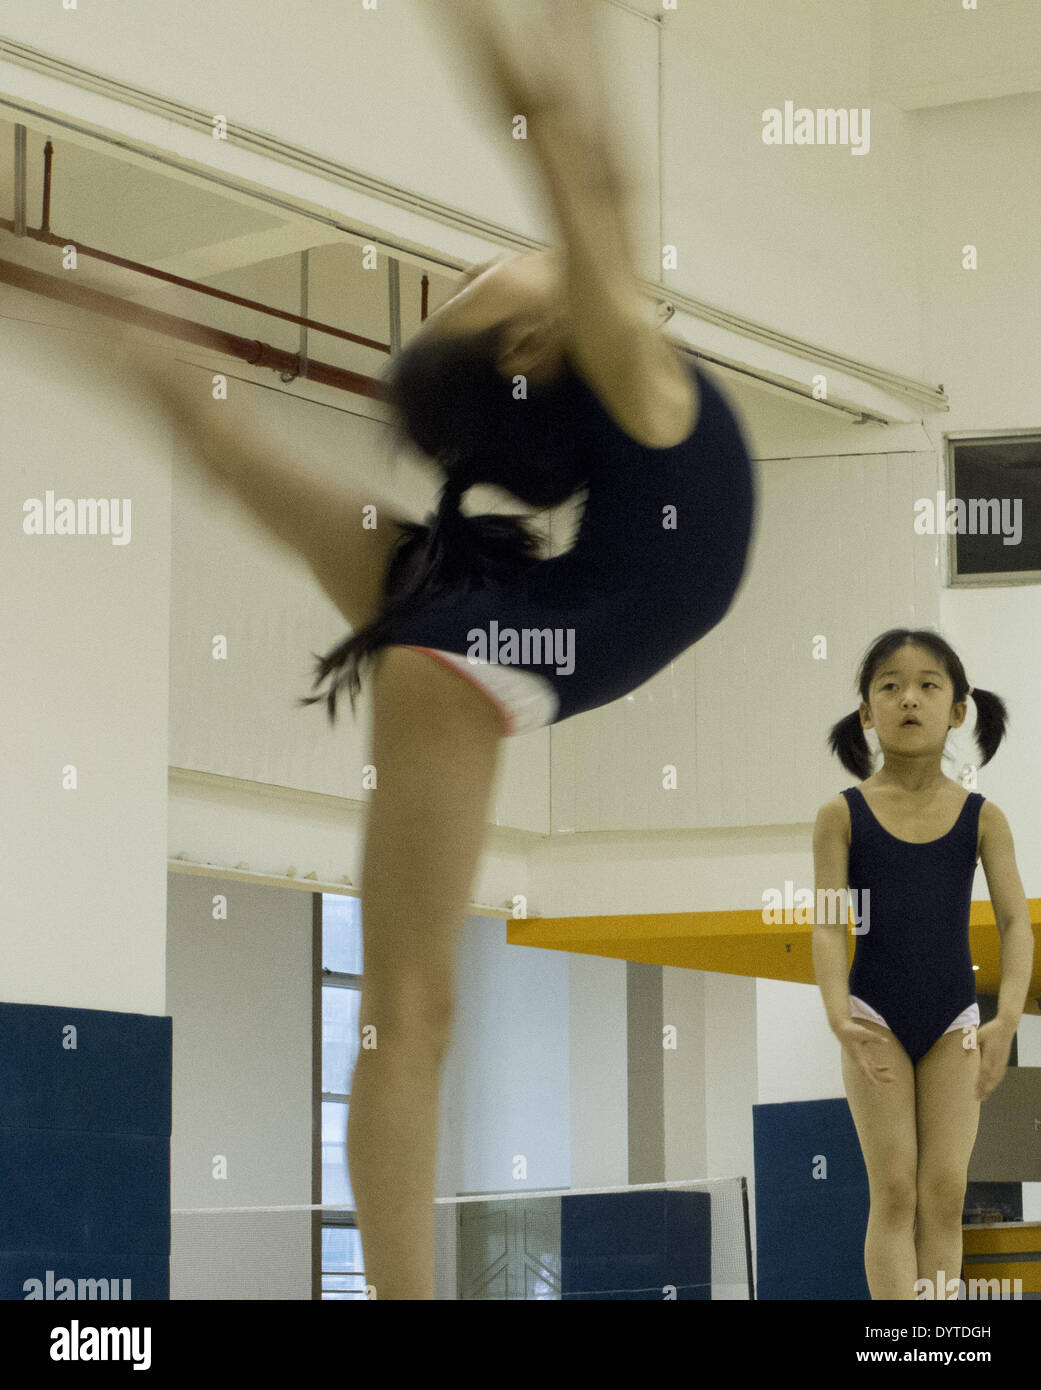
[543, 376]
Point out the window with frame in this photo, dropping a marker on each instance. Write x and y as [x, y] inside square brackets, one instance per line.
[342, 1274]
[993, 509]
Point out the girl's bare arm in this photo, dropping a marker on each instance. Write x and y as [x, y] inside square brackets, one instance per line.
[555, 82]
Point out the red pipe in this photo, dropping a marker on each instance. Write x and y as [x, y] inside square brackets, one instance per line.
[49, 239]
[250, 350]
[48, 156]
[44, 234]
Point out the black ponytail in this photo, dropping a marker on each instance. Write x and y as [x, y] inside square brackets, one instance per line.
[847, 741]
[991, 722]
[846, 738]
[451, 403]
[452, 552]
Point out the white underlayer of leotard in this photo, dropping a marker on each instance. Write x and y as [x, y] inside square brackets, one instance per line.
[527, 700]
[968, 1019]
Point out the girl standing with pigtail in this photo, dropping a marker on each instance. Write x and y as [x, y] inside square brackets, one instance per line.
[915, 1062]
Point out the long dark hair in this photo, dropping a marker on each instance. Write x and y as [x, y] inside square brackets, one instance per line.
[450, 401]
[846, 738]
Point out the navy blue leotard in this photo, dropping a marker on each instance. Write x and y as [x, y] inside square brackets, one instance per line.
[636, 589]
[913, 964]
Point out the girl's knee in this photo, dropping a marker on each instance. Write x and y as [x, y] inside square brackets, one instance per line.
[409, 1015]
[941, 1193]
[895, 1192]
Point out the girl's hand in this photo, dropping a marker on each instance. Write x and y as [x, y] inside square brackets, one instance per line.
[862, 1044]
[540, 58]
[523, 77]
[994, 1041]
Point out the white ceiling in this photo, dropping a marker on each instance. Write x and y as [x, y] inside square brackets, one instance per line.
[923, 53]
[935, 53]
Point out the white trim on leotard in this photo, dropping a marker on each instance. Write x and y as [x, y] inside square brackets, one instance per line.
[527, 699]
[858, 1009]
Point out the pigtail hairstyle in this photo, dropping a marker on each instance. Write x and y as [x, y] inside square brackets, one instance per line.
[846, 738]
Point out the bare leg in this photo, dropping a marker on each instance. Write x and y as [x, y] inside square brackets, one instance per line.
[885, 1121]
[948, 1117]
[436, 747]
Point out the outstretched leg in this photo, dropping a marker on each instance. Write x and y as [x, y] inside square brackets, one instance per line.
[435, 750]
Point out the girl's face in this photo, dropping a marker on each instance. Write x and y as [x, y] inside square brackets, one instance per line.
[910, 702]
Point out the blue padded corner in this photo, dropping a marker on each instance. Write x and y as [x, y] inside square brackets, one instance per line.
[125, 1275]
[84, 1148]
[73, 1190]
[633, 1245]
[117, 1078]
[809, 1230]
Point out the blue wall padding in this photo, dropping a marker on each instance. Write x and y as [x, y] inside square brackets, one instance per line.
[634, 1245]
[809, 1231]
[117, 1079]
[149, 1275]
[84, 1148]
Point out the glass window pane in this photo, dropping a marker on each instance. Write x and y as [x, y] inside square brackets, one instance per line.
[340, 1041]
[341, 934]
[350, 1286]
[341, 1252]
[335, 1185]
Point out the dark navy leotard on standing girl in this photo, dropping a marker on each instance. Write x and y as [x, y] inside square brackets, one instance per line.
[913, 964]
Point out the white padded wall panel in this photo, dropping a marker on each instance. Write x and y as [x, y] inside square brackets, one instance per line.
[744, 714]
